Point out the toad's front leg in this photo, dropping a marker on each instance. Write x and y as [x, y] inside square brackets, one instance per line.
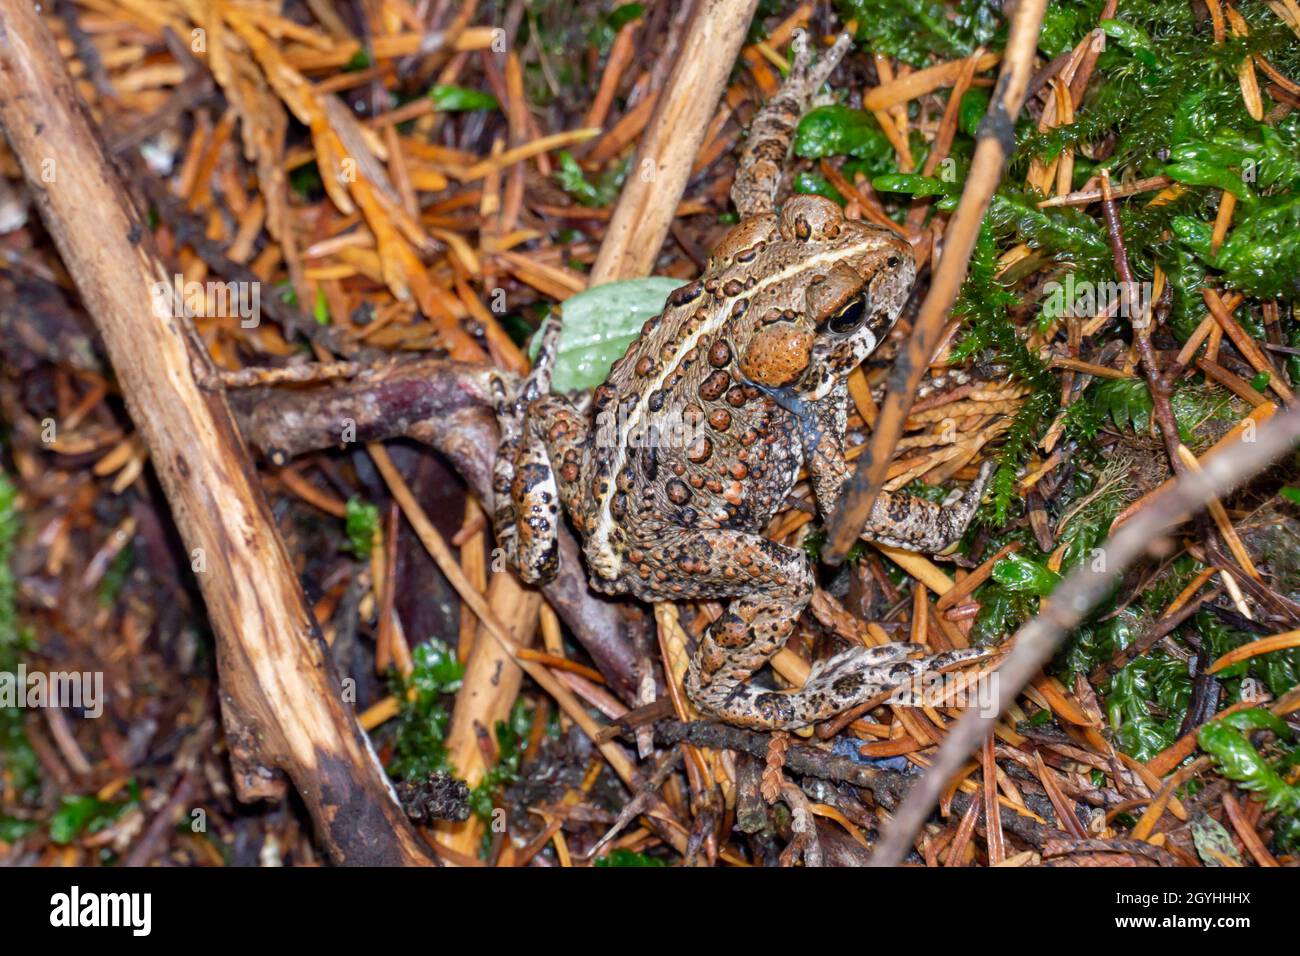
[897, 519]
[537, 468]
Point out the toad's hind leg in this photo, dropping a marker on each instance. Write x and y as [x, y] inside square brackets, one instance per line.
[770, 133]
[770, 585]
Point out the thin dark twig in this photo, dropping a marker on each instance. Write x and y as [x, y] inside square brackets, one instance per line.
[1140, 320]
[1158, 630]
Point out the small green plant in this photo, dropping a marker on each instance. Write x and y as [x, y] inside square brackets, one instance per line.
[457, 99]
[87, 814]
[419, 745]
[511, 736]
[912, 30]
[602, 192]
[1227, 740]
[361, 523]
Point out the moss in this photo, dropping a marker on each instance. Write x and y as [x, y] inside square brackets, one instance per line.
[361, 524]
[912, 30]
[18, 763]
[420, 731]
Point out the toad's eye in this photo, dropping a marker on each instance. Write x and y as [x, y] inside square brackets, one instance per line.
[849, 318]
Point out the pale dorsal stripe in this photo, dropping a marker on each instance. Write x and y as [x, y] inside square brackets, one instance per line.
[606, 560]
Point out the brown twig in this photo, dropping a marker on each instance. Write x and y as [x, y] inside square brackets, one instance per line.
[667, 150]
[995, 142]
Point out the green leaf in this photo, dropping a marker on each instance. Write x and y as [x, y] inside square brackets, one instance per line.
[1062, 28]
[625, 14]
[420, 731]
[1146, 703]
[288, 295]
[1195, 233]
[1018, 573]
[1261, 254]
[79, 814]
[573, 181]
[362, 520]
[1205, 174]
[599, 325]
[970, 113]
[809, 183]
[1256, 718]
[12, 830]
[1238, 760]
[435, 668]
[360, 61]
[842, 131]
[306, 182]
[911, 183]
[1131, 37]
[115, 578]
[1001, 612]
[603, 29]
[321, 310]
[1065, 233]
[455, 99]
[1126, 401]
[1291, 494]
[511, 738]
